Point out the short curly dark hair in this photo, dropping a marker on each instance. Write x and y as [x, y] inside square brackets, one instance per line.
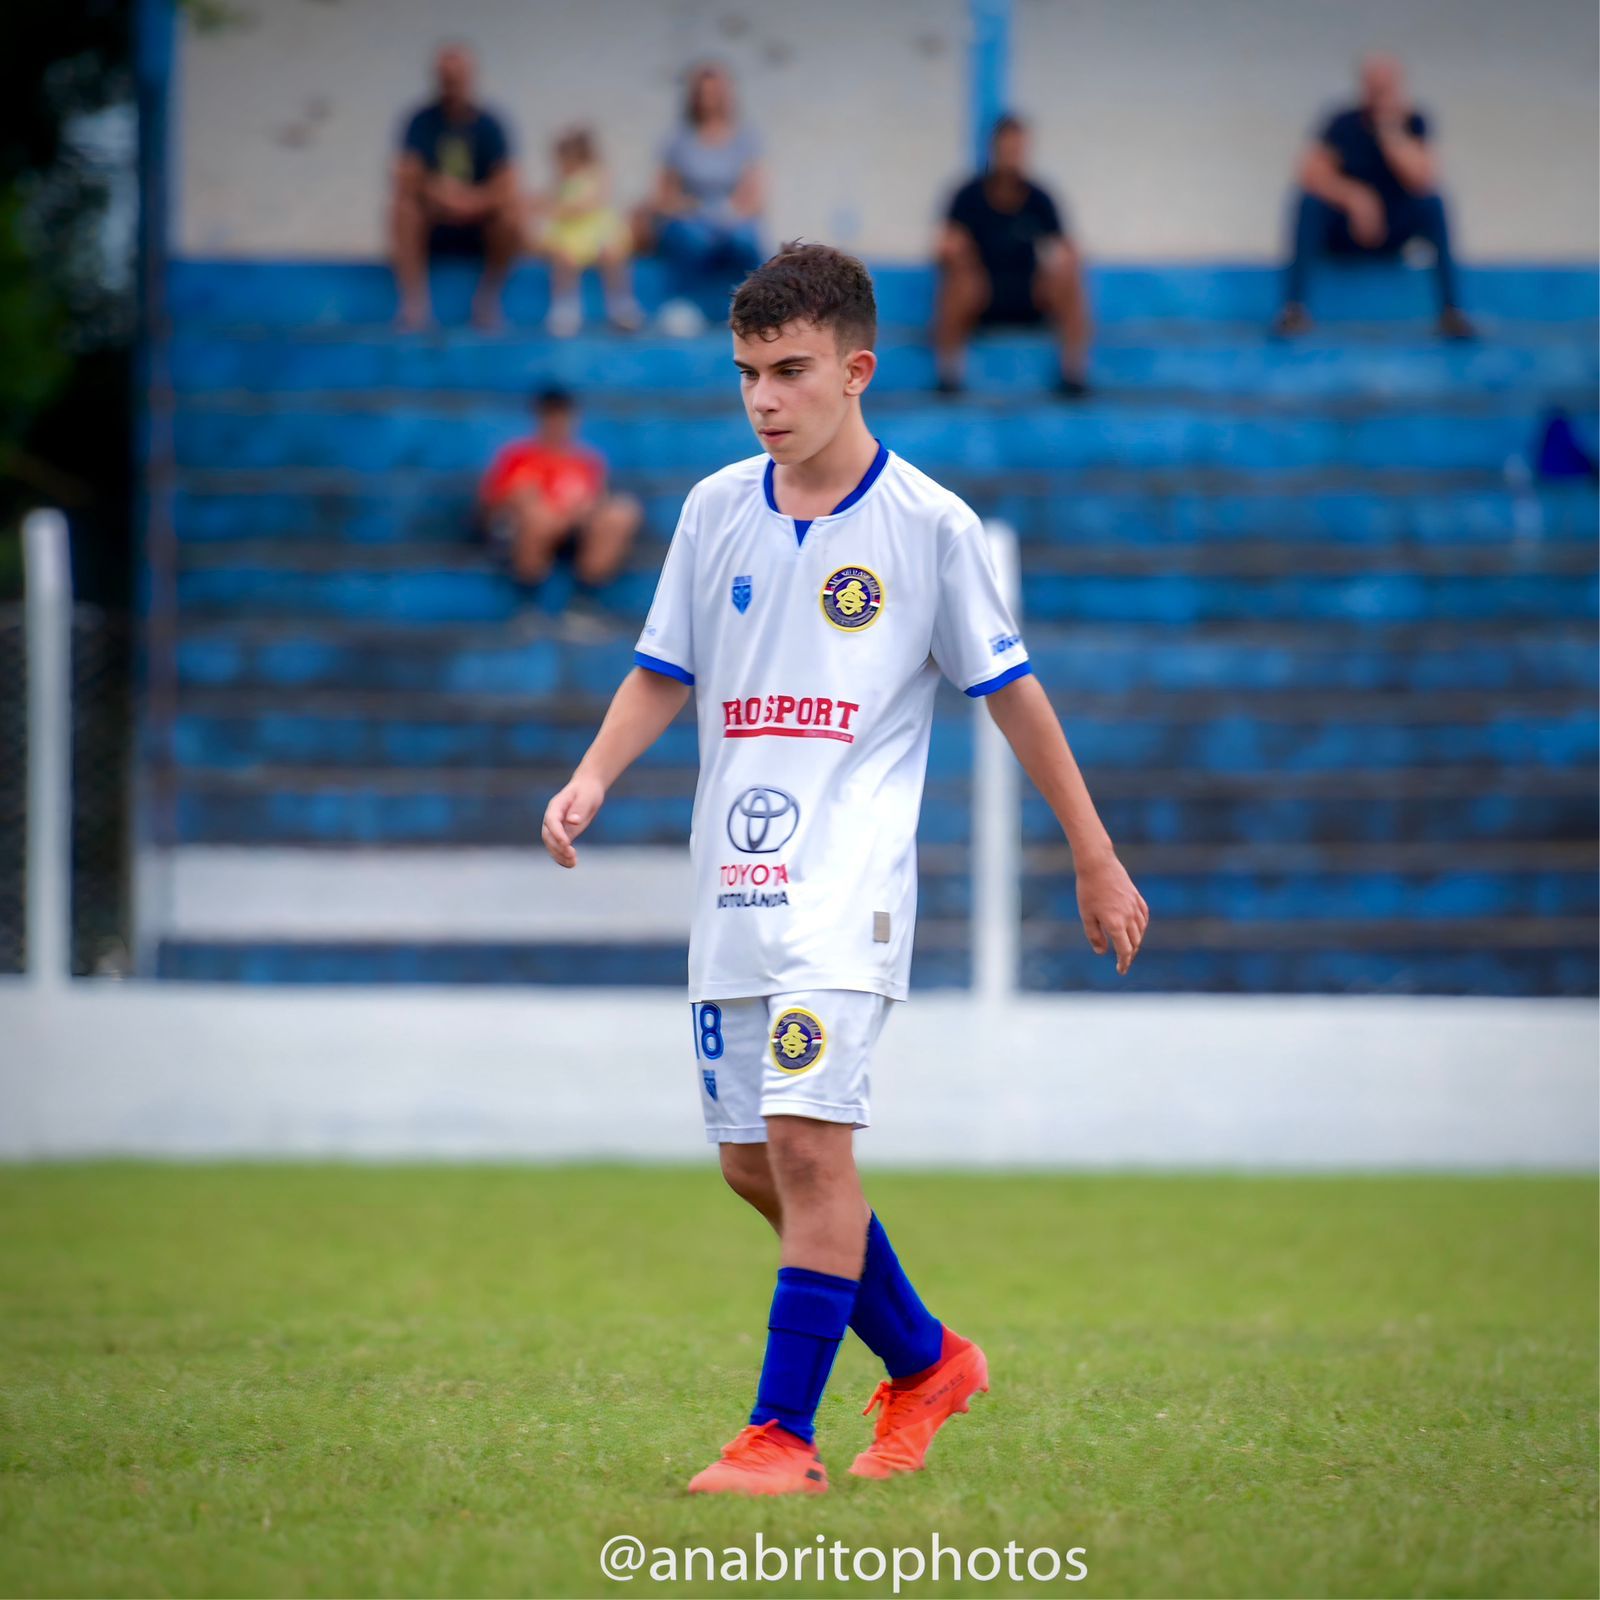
[808, 283]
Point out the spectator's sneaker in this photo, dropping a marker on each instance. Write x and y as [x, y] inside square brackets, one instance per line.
[1456, 324]
[626, 316]
[764, 1459]
[949, 385]
[1293, 319]
[913, 1412]
[681, 319]
[565, 319]
[1069, 387]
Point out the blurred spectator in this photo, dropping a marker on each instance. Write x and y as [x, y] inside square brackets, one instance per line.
[1369, 185]
[455, 194]
[547, 493]
[578, 230]
[703, 219]
[1006, 261]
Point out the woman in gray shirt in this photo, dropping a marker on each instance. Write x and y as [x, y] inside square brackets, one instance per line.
[708, 199]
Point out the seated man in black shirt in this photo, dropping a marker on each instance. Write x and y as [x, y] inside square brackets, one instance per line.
[1005, 261]
[455, 194]
[1368, 188]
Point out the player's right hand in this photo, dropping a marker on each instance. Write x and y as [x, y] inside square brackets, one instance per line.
[567, 815]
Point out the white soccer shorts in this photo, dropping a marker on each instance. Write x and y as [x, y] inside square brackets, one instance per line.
[805, 1054]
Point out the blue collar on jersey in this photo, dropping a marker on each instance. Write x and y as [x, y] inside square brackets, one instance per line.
[802, 526]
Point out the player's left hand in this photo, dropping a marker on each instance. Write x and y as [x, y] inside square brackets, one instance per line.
[1114, 913]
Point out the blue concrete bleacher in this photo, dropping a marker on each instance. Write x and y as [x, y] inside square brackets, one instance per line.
[1325, 652]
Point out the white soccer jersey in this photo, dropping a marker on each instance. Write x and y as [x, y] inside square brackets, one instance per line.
[814, 650]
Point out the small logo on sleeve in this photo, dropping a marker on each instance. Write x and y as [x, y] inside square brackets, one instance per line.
[852, 599]
[1004, 641]
[743, 589]
[798, 1040]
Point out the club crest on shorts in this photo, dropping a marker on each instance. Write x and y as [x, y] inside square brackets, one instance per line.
[743, 589]
[852, 599]
[709, 1078]
[798, 1040]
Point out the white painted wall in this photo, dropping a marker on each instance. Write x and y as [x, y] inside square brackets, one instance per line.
[288, 119]
[1086, 1081]
[1172, 125]
[1169, 125]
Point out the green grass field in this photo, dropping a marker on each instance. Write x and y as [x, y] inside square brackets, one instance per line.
[439, 1380]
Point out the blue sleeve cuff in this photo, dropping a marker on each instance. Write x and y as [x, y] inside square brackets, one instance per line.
[666, 668]
[1010, 675]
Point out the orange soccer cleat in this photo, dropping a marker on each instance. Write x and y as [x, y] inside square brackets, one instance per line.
[764, 1459]
[913, 1412]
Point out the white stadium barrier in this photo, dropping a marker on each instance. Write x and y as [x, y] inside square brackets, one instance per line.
[99, 1067]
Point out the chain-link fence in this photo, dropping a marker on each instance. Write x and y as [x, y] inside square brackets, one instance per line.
[13, 788]
[101, 746]
[102, 735]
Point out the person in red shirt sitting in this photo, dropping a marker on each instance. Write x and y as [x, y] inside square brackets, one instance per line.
[543, 494]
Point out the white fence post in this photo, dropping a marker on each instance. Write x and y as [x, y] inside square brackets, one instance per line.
[47, 581]
[997, 820]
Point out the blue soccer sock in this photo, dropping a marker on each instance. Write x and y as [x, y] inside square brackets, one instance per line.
[889, 1317]
[810, 1312]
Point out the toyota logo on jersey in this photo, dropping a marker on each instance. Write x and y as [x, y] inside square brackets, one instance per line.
[762, 820]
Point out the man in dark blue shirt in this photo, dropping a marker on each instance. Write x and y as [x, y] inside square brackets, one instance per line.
[455, 194]
[1005, 261]
[1368, 187]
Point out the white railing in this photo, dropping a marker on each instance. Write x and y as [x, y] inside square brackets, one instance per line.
[47, 577]
[996, 821]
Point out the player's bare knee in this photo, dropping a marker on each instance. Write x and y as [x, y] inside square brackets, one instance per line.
[808, 1156]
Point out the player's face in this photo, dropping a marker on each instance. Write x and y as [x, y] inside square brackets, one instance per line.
[798, 388]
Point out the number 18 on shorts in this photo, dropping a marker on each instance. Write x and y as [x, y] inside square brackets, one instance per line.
[807, 1054]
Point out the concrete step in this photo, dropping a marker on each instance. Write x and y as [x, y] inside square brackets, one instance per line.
[1085, 508]
[1535, 958]
[1179, 599]
[1560, 730]
[1403, 897]
[290, 294]
[378, 436]
[1541, 959]
[1347, 660]
[933, 966]
[1242, 362]
[652, 806]
[1234, 557]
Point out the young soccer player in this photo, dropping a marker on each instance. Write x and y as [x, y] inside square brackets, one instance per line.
[812, 596]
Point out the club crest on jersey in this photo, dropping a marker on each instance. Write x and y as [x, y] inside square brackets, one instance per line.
[852, 599]
[743, 589]
[798, 1040]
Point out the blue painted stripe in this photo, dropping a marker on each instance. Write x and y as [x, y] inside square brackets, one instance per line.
[665, 668]
[988, 73]
[1010, 675]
